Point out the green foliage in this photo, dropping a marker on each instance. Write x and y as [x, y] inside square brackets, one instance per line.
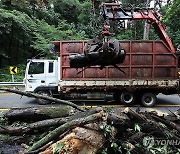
[162, 125]
[3, 120]
[15, 33]
[160, 150]
[116, 147]
[5, 76]
[58, 146]
[27, 27]
[86, 19]
[104, 151]
[68, 9]
[106, 129]
[137, 128]
[6, 138]
[171, 19]
[18, 123]
[125, 35]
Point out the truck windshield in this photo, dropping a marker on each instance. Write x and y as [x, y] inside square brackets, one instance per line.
[36, 68]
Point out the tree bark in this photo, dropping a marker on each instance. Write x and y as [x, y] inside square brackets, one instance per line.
[134, 116]
[36, 114]
[46, 123]
[167, 123]
[79, 140]
[117, 119]
[55, 133]
[36, 125]
[148, 125]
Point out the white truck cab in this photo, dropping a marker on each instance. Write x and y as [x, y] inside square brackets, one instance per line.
[41, 74]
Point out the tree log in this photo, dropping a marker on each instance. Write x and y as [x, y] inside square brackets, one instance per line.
[33, 126]
[79, 140]
[55, 133]
[148, 125]
[28, 94]
[36, 114]
[167, 123]
[46, 123]
[118, 119]
[134, 116]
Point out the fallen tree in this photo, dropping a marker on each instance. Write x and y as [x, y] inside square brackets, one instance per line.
[28, 94]
[36, 114]
[19, 130]
[97, 130]
[91, 131]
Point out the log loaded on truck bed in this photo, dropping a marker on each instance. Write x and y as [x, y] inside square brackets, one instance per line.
[124, 71]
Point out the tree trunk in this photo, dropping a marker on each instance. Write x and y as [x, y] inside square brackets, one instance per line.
[36, 114]
[134, 116]
[167, 123]
[45, 124]
[55, 133]
[117, 119]
[79, 140]
[28, 94]
[150, 125]
[146, 26]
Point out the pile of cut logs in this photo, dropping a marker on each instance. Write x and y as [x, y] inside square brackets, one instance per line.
[71, 130]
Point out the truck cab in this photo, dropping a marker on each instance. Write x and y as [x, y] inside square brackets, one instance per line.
[41, 75]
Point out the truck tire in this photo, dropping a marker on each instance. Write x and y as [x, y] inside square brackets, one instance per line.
[127, 98]
[42, 101]
[148, 99]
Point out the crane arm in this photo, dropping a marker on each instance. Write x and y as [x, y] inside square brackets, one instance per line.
[114, 11]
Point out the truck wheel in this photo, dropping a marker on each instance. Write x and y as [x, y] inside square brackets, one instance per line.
[42, 101]
[148, 99]
[127, 98]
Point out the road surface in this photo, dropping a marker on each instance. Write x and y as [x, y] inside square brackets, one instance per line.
[9, 100]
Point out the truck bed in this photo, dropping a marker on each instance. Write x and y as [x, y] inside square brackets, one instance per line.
[147, 63]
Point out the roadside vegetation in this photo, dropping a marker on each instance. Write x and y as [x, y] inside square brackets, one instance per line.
[27, 27]
[5, 75]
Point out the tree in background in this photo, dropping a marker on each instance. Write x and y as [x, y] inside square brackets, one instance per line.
[27, 26]
[171, 19]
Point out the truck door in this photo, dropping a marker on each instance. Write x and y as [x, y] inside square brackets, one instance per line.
[35, 75]
[51, 78]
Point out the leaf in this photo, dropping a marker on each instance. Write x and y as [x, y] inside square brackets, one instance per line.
[58, 147]
[102, 127]
[114, 145]
[137, 128]
[128, 152]
[178, 151]
[162, 125]
[104, 151]
[152, 151]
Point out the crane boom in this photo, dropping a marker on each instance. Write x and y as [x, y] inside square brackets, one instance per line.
[114, 11]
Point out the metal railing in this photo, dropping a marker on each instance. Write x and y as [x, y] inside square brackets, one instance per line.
[11, 83]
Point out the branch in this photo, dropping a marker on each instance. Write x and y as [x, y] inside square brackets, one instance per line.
[46, 123]
[53, 134]
[43, 97]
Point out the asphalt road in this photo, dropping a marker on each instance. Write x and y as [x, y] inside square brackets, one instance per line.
[9, 100]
